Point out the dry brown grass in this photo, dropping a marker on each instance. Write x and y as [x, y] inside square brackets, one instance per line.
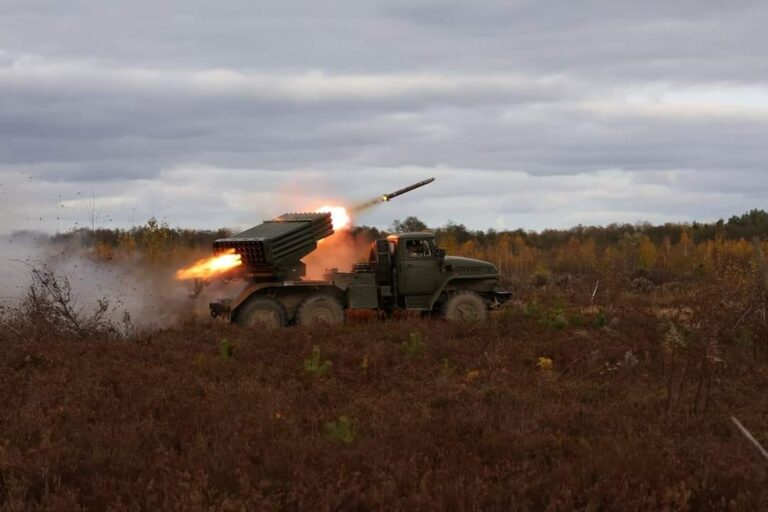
[411, 415]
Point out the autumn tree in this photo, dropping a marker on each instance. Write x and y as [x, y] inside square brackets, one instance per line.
[647, 253]
[410, 224]
[154, 239]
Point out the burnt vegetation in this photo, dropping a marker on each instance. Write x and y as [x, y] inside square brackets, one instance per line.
[608, 383]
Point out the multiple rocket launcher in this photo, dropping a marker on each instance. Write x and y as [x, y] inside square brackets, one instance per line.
[279, 243]
[276, 246]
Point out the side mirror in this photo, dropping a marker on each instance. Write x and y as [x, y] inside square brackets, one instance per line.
[441, 256]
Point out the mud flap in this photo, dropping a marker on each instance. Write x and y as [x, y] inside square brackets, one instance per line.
[220, 308]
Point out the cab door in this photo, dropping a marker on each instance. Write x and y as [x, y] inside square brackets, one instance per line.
[418, 267]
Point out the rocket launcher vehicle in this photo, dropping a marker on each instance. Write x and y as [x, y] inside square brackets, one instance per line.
[396, 276]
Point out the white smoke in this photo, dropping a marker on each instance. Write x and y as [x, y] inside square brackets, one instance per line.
[150, 295]
[17, 252]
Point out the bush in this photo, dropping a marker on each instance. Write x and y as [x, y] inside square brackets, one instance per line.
[315, 366]
[341, 430]
[226, 350]
[413, 346]
[51, 310]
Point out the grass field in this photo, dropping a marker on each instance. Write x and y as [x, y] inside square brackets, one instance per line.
[555, 404]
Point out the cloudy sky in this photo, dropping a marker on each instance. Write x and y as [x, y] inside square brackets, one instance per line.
[529, 114]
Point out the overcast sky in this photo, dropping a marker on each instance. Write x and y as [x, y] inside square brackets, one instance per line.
[529, 114]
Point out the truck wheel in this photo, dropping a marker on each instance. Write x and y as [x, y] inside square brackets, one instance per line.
[320, 309]
[465, 306]
[262, 313]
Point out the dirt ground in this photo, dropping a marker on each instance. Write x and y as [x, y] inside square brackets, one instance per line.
[555, 404]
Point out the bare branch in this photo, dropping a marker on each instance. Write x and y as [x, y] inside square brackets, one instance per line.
[14, 330]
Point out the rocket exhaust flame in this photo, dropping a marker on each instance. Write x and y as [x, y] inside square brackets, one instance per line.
[210, 267]
[339, 216]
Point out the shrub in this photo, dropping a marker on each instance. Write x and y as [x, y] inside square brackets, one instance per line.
[531, 308]
[51, 309]
[226, 350]
[315, 366]
[601, 320]
[341, 430]
[413, 346]
[556, 318]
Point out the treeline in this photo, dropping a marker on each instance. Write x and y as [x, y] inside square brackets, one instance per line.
[617, 248]
[751, 224]
[153, 240]
[683, 247]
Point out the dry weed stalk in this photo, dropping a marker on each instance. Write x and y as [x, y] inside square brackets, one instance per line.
[15, 331]
[746, 433]
[51, 309]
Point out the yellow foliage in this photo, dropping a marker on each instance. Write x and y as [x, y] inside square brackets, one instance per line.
[126, 243]
[472, 376]
[545, 364]
[647, 253]
[103, 251]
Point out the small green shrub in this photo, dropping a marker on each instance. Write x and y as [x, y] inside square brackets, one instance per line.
[226, 350]
[531, 308]
[448, 369]
[341, 430]
[413, 347]
[601, 320]
[556, 318]
[315, 366]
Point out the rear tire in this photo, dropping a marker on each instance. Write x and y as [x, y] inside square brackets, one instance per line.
[320, 309]
[466, 306]
[261, 313]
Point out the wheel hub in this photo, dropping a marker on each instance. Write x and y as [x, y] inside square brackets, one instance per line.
[265, 319]
[322, 315]
[467, 312]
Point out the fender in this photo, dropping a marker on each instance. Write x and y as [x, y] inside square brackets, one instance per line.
[456, 277]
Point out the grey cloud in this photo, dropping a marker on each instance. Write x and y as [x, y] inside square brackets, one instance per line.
[529, 113]
[682, 39]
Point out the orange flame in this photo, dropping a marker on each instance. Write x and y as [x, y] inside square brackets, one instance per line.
[339, 216]
[210, 267]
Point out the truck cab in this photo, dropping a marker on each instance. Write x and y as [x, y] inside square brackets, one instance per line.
[409, 271]
[426, 278]
[418, 263]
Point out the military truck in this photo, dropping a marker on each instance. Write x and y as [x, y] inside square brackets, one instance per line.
[405, 271]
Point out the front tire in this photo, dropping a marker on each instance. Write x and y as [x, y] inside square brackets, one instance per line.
[466, 306]
[261, 313]
[320, 309]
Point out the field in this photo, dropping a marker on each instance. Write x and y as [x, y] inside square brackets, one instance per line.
[619, 399]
